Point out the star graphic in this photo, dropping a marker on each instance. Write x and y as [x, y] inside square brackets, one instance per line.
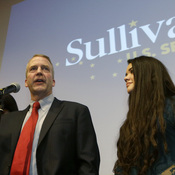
[119, 60]
[133, 23]
[114, 74]
[92, 77]
[57, 64]
[81, 62]
[92, 65]
[73, 59]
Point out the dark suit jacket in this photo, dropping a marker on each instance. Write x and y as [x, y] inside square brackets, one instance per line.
[67, 144]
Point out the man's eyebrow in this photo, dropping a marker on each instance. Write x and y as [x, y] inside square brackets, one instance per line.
[45, 65]
[32, 66]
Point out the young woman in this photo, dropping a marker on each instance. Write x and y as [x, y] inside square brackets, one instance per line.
[146, 145]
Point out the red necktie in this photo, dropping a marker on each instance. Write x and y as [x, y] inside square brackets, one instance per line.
[22, 156]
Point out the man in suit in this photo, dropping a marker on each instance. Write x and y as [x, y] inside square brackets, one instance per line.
[64, 141]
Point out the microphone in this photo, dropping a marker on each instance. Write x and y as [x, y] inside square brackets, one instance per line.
[14, 87]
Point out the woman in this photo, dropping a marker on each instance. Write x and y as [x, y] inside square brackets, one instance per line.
[146, 145]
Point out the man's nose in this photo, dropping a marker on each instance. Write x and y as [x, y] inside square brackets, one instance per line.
[39, 70]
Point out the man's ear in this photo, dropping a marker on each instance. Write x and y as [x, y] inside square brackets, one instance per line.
[53, 84]
[26, 84]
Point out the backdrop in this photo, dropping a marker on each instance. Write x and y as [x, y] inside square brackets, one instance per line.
[89, 43]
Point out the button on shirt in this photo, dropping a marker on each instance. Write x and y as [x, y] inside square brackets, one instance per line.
[45, 106]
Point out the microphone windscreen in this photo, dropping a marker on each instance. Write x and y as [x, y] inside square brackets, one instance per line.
[17, 87]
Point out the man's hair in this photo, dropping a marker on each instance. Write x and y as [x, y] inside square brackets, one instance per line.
[40, 55]
[137, 145]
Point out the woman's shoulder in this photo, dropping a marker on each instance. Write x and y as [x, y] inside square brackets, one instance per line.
[169, 111]
[170, 103]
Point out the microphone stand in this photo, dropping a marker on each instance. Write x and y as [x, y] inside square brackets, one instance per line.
[1, 106]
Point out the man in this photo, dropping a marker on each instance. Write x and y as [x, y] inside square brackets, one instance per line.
[64, 141]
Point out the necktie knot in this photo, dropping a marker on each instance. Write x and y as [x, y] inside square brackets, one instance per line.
[36, 105]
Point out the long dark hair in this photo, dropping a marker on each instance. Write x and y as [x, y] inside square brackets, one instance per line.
[137, 145]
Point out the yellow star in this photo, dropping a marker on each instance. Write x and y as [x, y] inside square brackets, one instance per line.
[57, 64]
[92, 65]
[119, 60]
[114, 74]
[73, 59]
[81, 62]
[133, 23]
[92, 77]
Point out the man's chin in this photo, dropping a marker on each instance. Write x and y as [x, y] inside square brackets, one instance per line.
[38, 90]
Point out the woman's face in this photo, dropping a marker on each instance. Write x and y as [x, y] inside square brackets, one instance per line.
[129, 78]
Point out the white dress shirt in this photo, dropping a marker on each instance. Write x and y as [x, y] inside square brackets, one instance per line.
[45, 105]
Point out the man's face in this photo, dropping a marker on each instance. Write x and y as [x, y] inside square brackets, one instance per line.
[39, 78]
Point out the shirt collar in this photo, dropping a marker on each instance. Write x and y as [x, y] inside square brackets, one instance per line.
[44, 102]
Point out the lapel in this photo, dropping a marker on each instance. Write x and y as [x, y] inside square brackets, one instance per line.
[50, 118]
[18, 121]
